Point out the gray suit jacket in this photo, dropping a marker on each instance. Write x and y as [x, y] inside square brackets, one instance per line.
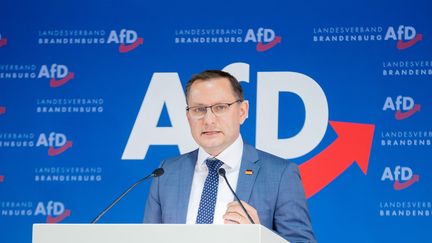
[274, 190]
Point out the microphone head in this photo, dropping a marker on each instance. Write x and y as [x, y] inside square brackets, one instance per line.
[158, 172]
[222, 172]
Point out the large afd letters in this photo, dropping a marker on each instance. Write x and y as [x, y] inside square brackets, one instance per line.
[166, 89]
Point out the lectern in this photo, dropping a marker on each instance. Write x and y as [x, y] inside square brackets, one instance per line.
[154, 233]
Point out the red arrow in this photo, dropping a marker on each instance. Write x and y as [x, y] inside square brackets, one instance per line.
[127, 48]
[404, 45]
[2, 110]
[52, 220]
[399, 115]
[354, 143]
[3, 42]
[264, 47]
[57, 83]
[56, 151]
[402, 185]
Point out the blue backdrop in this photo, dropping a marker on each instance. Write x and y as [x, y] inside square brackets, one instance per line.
[90, 101]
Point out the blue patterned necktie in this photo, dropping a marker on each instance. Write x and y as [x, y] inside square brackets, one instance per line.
[209, 194]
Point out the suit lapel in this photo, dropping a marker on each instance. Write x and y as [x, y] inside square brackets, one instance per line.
[187, 168]
[246, 181]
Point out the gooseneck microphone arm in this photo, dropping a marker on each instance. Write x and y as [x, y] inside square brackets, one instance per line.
[156, 173]
[222, 173]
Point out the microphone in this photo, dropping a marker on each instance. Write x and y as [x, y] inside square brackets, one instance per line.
[156, 173]
[222, 173]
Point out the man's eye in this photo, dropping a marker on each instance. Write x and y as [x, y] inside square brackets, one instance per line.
[200, 110]
[220, 108]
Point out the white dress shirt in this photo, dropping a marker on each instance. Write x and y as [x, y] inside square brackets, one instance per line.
[231, 157]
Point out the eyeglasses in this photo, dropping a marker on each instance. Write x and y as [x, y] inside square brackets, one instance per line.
[199, 112]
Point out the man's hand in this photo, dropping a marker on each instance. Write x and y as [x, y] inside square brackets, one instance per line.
[236, 215]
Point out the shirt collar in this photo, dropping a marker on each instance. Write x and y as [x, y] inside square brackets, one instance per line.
[231, 156]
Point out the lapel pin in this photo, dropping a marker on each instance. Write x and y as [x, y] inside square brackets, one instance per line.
[248, 172]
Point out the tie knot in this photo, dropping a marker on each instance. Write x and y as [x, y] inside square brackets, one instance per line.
[213, 164]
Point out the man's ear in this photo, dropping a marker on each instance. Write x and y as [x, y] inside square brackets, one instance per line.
[244, 111]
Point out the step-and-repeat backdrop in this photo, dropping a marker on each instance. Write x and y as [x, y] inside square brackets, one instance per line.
[92, 99]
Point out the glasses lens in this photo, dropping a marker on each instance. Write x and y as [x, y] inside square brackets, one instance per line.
[198, 111]
[220, 108]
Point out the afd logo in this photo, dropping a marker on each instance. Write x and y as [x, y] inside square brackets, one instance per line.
[57, 143]
[3, 41]
[55, 212]
[265, 38]
[404, 106]
[2, 110]
[269, 85]
[128, 40]
[406, 36]
[2, 177]
[402, 177]
[58, 74]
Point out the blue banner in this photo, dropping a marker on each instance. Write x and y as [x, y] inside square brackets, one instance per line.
[92, 99]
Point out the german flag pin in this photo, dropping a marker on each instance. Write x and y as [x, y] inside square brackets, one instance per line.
[248, 172]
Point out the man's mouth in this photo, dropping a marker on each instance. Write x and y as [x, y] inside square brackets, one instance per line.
[209, 133]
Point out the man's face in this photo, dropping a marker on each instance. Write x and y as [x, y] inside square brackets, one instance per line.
[215, 133]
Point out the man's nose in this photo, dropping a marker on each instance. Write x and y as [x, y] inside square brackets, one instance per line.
[209, 116]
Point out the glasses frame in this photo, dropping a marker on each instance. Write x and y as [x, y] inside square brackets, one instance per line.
[211, 108]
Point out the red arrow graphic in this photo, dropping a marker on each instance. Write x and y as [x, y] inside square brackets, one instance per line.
[1, 178]
[354, 143]
[126, 48]
[403, 115]
[404, 45]
[2, 110]
[61, 217]
[3, 42]
[57, 83]
[402, 185]
[56, 151]
[264, 47]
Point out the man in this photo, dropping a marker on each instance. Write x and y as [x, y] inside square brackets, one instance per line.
[191, 191]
